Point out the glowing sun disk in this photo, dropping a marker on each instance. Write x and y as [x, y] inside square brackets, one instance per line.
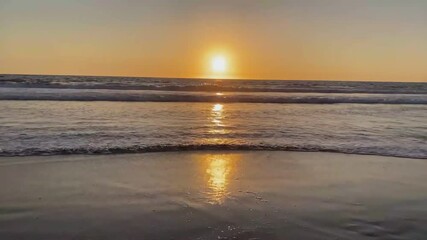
[219, 64]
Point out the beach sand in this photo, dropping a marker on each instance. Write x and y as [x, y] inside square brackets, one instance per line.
[213, 195]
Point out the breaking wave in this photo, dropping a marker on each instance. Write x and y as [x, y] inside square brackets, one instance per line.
[208, 85]
[225, 97]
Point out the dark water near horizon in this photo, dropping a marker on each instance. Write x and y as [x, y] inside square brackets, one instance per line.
[104, 115]
[209, 85]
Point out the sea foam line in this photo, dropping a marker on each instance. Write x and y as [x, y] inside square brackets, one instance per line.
[207, 147]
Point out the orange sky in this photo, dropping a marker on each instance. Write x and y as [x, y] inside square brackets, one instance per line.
[294, 39]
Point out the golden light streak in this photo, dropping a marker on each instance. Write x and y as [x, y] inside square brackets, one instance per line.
[220, 169]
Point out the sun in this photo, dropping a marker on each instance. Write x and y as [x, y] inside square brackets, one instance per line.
[219, 64]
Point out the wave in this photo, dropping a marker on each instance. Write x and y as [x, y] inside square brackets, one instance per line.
[208, 85]
[233, 97]
[210, 147]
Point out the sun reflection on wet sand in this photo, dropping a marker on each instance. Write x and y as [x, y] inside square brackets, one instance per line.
[219, 170]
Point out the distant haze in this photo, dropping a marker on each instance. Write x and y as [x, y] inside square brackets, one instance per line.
[270, 39]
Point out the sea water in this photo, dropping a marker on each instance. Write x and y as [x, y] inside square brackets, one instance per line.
[53, 115]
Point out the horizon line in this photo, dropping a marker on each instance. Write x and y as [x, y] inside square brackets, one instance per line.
[212, 78]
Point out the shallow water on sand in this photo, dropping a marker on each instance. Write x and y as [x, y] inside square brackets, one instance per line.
[213, 195]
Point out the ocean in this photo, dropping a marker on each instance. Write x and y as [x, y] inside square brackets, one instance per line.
[58, 115]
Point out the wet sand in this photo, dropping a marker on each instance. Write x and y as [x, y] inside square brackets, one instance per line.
[213, 195]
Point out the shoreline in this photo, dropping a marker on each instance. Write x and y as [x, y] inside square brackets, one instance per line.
[191, 149]
[213, 195]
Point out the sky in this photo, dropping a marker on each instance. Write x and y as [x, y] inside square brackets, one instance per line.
[376, 40]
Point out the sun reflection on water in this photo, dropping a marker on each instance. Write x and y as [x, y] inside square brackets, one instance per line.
[218, 127]
[217, 108]
[217, 116]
